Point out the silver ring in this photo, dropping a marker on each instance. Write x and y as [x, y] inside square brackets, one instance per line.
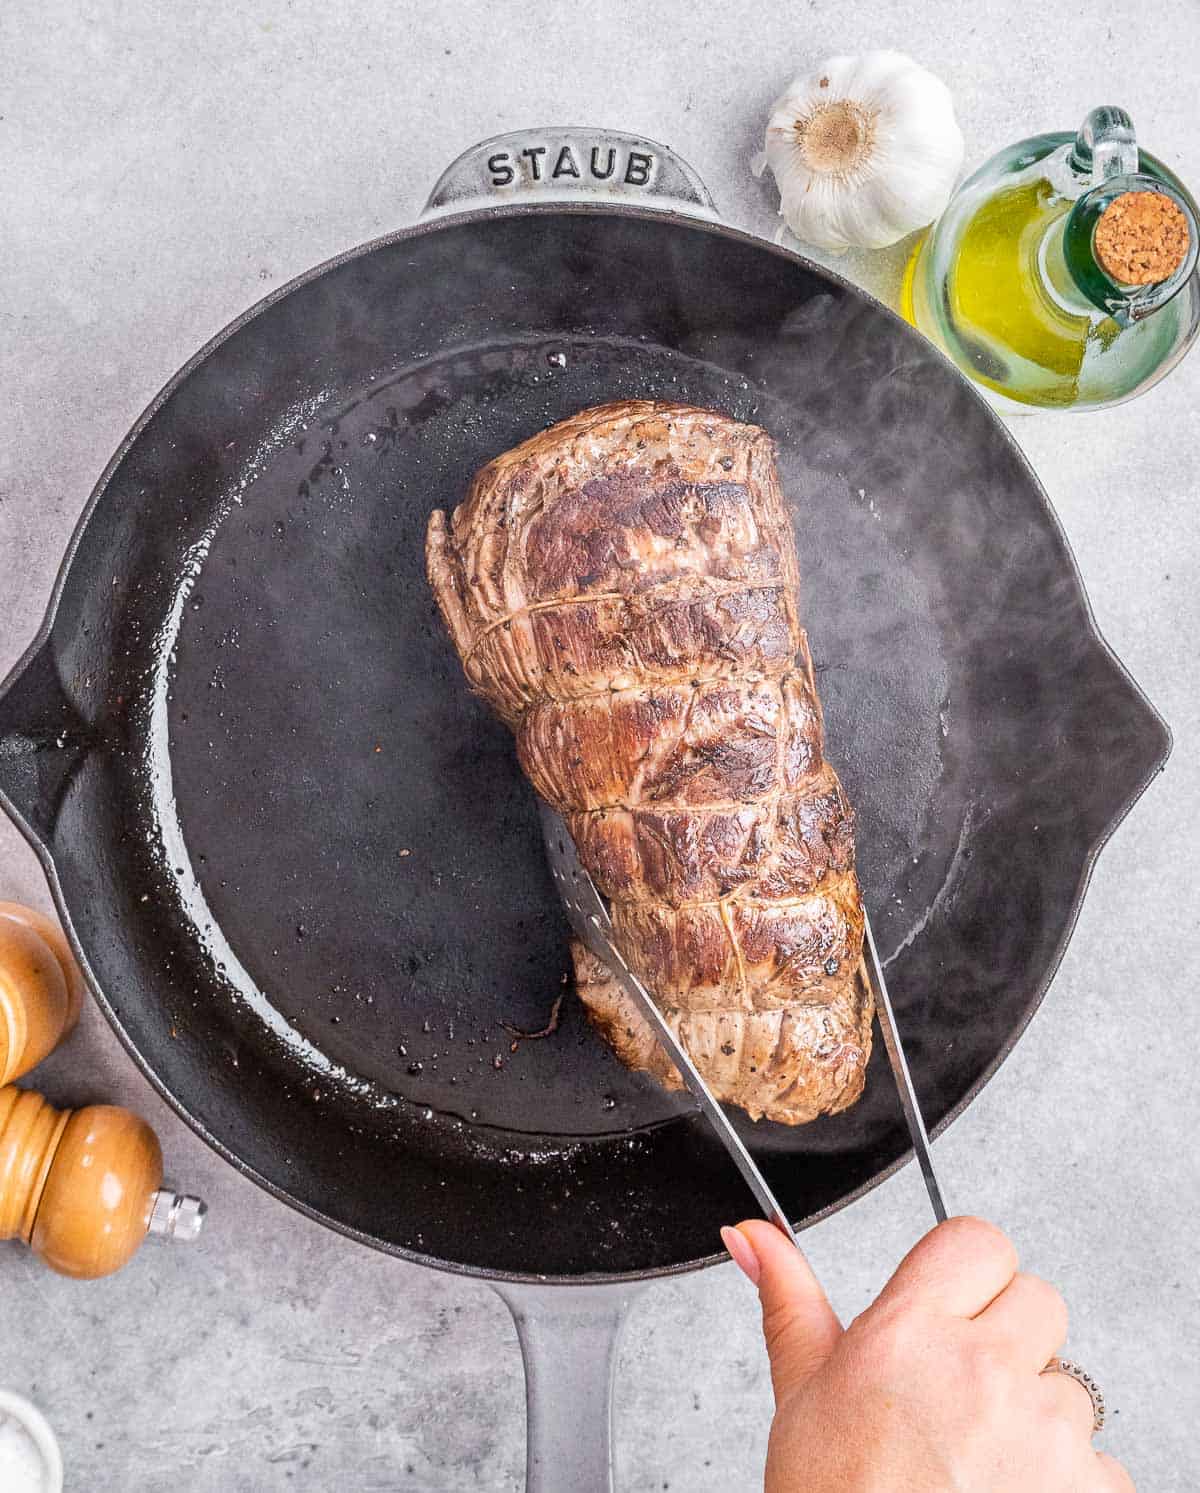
[1073, 1371]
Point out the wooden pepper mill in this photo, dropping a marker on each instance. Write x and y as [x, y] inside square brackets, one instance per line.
[83, 1187]
[41, 989]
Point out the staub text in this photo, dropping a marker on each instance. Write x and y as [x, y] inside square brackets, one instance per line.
[571, 162]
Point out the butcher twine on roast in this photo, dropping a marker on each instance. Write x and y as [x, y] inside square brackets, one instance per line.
[622, 589]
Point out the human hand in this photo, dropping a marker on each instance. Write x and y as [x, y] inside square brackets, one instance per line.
[936, 1388]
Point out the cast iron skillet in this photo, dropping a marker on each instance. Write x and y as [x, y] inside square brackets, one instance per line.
[298, 860]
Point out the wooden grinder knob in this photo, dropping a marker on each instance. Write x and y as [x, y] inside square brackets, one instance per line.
[41, 989]
[83, 1187]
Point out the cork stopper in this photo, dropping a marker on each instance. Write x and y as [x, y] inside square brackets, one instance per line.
[1141, 238]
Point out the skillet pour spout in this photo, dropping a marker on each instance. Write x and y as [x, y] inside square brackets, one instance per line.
[42, 740]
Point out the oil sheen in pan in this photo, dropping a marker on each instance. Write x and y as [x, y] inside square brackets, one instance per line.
[379, 755]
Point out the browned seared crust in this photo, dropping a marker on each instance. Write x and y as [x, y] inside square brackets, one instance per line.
[623, 590]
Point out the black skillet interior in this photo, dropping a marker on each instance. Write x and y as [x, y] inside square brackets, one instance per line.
[301, 860]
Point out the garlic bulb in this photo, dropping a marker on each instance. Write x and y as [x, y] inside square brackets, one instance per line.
[864, 150]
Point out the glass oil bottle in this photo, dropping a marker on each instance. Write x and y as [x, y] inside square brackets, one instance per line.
[1063, 273]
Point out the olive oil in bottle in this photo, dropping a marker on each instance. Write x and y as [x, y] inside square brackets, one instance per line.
[1063, 273]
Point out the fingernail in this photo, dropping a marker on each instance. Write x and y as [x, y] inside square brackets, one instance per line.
[743, 1255]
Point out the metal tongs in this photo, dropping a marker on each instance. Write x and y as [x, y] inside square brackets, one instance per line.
[588, 916]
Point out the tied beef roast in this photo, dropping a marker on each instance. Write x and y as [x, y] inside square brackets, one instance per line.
[622, 589]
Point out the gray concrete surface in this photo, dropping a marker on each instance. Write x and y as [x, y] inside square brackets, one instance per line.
[166, 165]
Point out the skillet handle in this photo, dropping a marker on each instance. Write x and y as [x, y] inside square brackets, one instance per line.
[41, 739]
[569, 1340]
[605, 167]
